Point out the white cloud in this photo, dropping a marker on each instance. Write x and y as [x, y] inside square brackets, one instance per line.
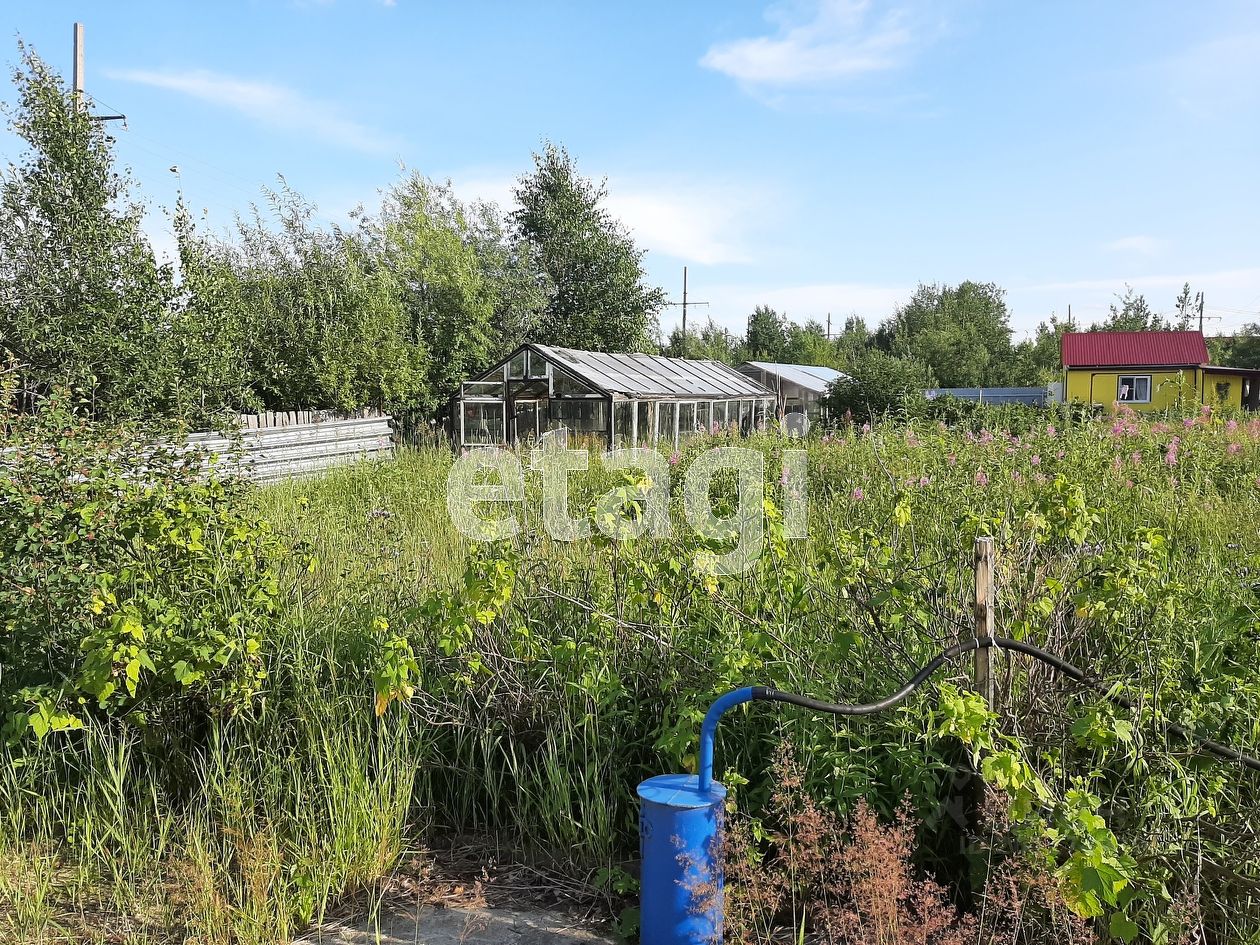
[1142, 245]
[265, 103]
[702, 222]
[842, 40]
[699, 223]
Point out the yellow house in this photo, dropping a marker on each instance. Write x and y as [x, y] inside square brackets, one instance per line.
[1151, 370]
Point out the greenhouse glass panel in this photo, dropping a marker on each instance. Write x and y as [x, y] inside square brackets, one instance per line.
[643, 432]
[562, 385]
[516, 367]
[666, 417]
[686, 421]
[538, 366]
[581, 416]
[483, 423]
[702, 416]
[483, 388]
[623, 423]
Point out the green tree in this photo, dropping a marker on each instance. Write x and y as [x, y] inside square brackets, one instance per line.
[470, 292]
[1241, 350]
[602, 301]
[962, 333]
[328, 325]
[1037, 361]
[1131, 312]
[853, 341]
[808, 344]
[877, 384]
[83, 303]
[1187, 307]
[711, 342]
[766, 338]
[210, 322]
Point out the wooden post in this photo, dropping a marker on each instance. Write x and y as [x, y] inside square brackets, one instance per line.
[985, 630]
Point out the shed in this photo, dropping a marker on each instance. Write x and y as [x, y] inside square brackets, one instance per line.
[625, 399]
[1151, 370]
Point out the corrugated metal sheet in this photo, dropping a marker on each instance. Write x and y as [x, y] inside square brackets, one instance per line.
[647, 375]
[267, 455]
[1030, 396]
[1134, 349]
[812, 377]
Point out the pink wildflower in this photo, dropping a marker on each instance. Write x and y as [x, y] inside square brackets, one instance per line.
[674, 458]
[981, 478]
[952, 459]
[858, 494]
[1051, 431]
[1036, 460]
[1231, 426]
[866, 428]
[1234, 449]
[1128, 483]
[925, 481]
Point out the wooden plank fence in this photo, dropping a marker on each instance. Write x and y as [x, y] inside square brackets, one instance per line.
[275, 446]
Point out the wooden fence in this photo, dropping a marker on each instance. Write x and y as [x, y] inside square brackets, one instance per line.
[274, 446]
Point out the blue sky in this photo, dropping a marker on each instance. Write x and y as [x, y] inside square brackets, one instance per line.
[821, 155]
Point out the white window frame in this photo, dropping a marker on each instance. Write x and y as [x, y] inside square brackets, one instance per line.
[1133, 383]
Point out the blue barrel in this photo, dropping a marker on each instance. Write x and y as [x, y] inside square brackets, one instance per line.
[679, 826]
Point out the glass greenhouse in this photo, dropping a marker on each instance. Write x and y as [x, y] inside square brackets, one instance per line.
[625, 399]
[800, 388]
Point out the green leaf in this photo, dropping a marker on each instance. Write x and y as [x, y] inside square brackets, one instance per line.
[1122, 927]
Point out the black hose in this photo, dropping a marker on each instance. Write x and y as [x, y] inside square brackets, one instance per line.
[766, 694]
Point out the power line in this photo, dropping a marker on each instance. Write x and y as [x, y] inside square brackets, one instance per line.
[684, 303]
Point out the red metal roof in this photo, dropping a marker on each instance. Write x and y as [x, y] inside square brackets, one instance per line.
[1134, 349]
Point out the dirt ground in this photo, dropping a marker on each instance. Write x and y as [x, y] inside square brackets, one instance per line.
[469, 900]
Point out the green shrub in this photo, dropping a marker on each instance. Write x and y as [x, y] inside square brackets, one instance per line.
[132, 584]
[877, 385]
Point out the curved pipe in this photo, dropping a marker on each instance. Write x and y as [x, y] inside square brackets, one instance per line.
[708, 730]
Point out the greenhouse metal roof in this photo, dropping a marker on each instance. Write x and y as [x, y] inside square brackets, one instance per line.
[648, 375]
[812, 377]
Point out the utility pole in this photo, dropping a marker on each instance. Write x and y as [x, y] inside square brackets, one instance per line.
[78, 78]
[1200, 313]
[78, 63]
[828, 326]
[684, 303]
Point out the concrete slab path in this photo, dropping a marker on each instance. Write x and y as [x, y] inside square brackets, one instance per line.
[438, 925]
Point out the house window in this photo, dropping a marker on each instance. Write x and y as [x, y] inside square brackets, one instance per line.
[1134, 389]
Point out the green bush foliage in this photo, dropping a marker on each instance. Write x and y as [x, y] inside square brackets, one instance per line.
[133, 586]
